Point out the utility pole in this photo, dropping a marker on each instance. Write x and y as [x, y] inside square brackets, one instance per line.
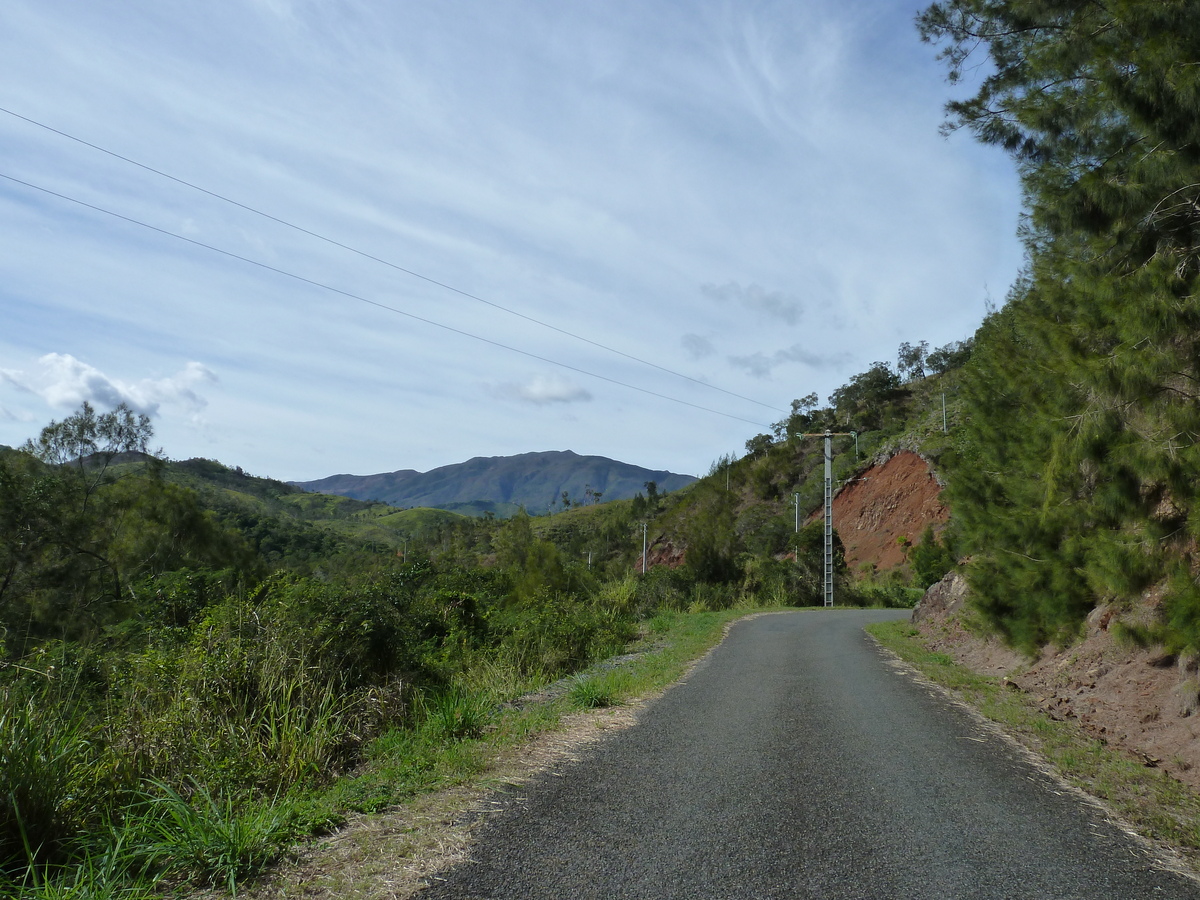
[796, 499]
[644, 548]
[829, 436]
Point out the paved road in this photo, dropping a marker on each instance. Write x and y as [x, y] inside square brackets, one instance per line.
[795, 763]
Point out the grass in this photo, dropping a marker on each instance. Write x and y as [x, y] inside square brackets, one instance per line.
[1158, 806]
[100, 877]
[210, 840]
[47, 754]
[595, 692]
[457, 714]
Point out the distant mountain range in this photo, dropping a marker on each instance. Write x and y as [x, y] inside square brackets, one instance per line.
[502, 484]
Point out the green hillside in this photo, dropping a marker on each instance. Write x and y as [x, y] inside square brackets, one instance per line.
[183, 645]
[284, 521]
[1074, 476]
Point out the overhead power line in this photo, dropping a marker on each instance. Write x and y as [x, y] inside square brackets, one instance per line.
[326, 287]
[365, 255]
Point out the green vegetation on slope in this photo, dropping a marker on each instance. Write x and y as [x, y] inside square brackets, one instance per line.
[1073, 478]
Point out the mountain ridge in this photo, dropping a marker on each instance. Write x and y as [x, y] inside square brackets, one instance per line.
[535, 480]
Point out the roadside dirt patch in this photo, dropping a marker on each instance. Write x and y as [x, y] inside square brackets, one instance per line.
[1138, 700]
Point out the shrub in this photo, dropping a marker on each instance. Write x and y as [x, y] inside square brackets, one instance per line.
[930, 559]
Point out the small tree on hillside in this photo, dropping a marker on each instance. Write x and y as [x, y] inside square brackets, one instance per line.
[651, 494]
[859, 405]
[950, 356]
[911, 360]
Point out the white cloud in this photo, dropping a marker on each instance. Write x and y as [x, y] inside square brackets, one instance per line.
[542, 390]
[773, 304]
[64, 381]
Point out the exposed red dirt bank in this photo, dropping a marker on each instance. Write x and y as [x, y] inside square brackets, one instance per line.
[663, 552]
[886, 504]
[1140, 700]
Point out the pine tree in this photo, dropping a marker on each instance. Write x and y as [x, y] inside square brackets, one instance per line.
[1083, 392]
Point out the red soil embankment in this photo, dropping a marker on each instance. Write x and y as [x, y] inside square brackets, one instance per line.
[887, 503]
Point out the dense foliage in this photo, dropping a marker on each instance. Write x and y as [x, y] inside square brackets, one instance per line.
[189, 653]
[1076, 470]
[183, 645]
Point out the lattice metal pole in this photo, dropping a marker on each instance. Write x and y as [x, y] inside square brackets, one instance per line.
[828, 519]
[829, 436]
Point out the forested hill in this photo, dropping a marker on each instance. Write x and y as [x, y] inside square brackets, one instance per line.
[536, 481]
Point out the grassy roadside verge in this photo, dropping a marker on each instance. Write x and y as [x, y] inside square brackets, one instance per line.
[407, 807]
[460, 741]
[459, 744]
[1157, 806]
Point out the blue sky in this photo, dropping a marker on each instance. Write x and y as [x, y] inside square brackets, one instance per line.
[733, 204]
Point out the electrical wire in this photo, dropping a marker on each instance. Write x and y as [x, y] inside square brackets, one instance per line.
[392, 265]
[270, 268]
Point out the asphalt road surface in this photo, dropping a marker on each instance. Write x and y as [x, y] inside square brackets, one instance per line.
[796, 762]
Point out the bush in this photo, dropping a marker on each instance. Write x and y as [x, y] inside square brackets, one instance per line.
[889, 594]
[930, 559]
[663, 588]
[550, 635]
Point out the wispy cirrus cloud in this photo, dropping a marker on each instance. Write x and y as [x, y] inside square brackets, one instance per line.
[8, 415]
[573, 167]
[772, 304]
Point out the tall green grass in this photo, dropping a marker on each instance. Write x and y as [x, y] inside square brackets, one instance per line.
[456, 714]
[51, 779]
[189, 755]
[208, 839]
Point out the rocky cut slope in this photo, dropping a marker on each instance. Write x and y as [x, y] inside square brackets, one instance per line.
[886, 508]
[877, 514]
